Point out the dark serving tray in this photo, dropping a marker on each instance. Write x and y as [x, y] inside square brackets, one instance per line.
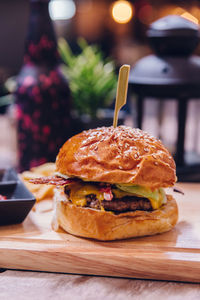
[8, 177]
[19, 200]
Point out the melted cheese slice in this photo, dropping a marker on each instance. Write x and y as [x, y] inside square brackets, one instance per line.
[78, 192]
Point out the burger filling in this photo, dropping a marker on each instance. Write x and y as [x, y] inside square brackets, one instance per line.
[115, 198]
[104, 196]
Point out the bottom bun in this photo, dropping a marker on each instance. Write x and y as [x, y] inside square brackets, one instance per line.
[105, 226]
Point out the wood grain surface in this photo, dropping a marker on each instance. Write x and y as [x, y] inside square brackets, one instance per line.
[170, 256]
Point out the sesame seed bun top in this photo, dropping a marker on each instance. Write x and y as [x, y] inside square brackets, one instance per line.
[117, 155]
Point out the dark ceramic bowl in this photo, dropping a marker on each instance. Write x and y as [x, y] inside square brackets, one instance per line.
[19, 200]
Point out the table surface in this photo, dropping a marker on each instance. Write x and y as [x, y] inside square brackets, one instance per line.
[29, 285]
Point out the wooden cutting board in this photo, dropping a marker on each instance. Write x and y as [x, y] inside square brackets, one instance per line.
[170, 256]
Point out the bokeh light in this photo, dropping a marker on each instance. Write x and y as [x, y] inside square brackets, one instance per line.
[190, 17]
[122, 11]
[62, 9]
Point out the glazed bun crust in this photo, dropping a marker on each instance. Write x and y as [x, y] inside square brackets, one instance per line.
[105, 226]
[117, 155]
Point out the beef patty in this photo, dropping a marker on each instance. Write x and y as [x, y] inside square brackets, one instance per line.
[120, 205]
[127, 203]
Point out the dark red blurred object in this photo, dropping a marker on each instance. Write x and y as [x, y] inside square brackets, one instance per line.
[42, 96]
[3, 197]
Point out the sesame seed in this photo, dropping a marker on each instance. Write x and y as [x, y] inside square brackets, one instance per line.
[136, 155]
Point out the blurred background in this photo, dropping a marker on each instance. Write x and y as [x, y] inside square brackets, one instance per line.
[118, 28]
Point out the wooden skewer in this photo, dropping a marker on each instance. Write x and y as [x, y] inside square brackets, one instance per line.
[122, 87]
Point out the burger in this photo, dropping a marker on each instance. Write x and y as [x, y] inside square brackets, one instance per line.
[110, 185]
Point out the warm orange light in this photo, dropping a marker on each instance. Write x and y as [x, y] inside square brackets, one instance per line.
[122, 11]
[190, 17]
[185, 14]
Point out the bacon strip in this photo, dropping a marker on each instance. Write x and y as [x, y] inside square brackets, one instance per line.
[53, 180]
[107, 193]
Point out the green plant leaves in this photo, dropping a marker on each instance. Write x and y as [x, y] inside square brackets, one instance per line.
[92, 79]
